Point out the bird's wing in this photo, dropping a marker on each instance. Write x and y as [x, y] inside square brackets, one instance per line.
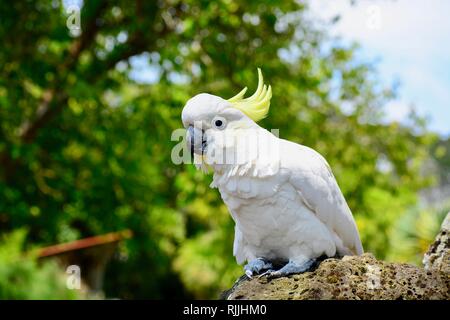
[314, 181]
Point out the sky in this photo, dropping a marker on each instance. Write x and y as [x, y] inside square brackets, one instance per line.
[410, 42]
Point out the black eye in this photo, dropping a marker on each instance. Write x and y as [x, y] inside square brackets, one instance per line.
[219, 123]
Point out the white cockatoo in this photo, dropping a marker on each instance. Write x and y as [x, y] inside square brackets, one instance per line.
[286, 203]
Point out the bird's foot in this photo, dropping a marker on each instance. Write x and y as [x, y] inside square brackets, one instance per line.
[290, 268]
[255, 266]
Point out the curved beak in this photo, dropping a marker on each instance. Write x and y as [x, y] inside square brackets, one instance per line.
[196, 140]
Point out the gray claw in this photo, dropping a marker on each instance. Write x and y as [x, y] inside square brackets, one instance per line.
[255, 266]
[267, 273]
[290, 268]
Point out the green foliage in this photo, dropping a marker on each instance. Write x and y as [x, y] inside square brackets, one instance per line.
[414, 232]
[21, 277]
[85, 146]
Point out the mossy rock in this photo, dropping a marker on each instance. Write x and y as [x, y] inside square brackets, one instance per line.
[358, 278]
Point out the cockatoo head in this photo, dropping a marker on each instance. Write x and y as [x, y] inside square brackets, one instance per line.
[206, 117]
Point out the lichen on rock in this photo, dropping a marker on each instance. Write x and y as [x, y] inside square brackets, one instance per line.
[438, 255]
[357, 277]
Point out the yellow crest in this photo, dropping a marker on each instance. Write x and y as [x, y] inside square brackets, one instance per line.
[256, 106]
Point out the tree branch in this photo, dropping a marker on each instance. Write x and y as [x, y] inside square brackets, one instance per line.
[53, 99]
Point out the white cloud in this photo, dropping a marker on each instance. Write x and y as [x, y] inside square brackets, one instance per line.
[397, 110]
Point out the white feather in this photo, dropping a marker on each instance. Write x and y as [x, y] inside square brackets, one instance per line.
[296, 212]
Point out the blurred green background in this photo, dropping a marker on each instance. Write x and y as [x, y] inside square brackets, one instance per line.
[86, 121]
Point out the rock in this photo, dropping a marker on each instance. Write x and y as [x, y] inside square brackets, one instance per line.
[358, 277]
[438, 255]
